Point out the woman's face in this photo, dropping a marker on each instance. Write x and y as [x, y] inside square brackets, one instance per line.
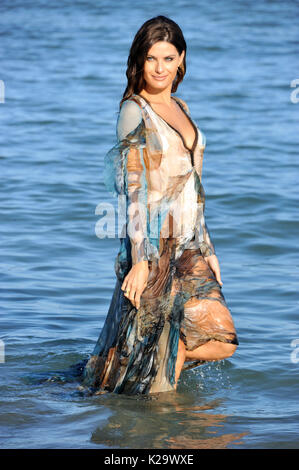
[161, 64]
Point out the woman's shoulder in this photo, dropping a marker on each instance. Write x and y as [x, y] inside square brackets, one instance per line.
[132, 102]
[129, 118]
[131, 108]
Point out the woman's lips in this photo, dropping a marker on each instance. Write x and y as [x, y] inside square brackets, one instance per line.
[160, 78]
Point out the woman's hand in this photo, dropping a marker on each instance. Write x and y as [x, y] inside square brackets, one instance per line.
[213, 263]
[135, 282]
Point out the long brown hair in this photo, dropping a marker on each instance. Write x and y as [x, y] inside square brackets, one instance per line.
[156, 29]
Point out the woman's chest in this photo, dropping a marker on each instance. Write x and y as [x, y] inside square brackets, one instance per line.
[170, 144]
[168, 156]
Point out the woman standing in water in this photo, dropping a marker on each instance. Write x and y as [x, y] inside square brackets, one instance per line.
[167, 311]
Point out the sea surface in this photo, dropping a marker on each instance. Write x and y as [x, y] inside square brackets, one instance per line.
[62, 71]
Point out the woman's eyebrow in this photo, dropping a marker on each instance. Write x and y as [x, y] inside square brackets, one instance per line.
[169, 55]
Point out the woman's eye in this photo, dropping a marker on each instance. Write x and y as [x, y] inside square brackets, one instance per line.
[167, 58]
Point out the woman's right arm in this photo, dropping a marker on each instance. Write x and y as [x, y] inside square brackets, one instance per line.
[129, 120]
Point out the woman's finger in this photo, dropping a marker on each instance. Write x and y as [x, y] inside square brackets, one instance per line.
[127, 289]
[218, 275]
[214, 265]
[139, 294]
[131, 295]
[124, 284]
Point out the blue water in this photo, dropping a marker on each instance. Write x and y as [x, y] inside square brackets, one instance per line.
[63, 66]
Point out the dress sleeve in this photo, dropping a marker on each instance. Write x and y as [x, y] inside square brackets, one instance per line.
[125, 174]
[207, 247]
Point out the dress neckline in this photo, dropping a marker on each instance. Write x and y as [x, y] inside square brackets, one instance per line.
[177, 131]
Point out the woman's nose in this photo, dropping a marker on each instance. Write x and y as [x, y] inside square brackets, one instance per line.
[159, 67]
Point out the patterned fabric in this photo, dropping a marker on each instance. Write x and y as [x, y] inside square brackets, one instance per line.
[157, 180]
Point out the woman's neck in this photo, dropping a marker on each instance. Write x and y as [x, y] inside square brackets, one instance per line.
[160, 97]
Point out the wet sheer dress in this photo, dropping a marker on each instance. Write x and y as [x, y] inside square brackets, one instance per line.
[157, 180]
